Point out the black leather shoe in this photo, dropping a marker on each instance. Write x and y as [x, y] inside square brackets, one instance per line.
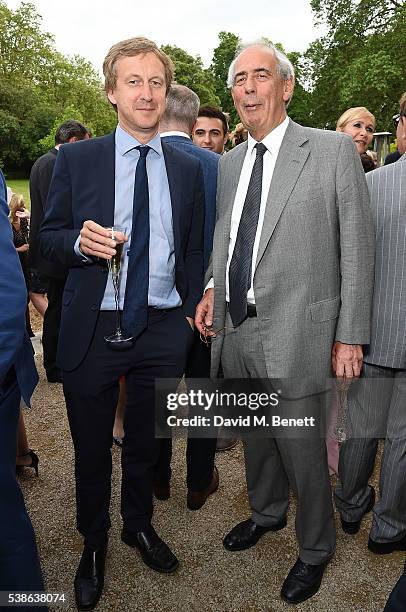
[154, 552]
[89, 579]
[302, 582]
[352, 527]
[385, 548]
[246, 534]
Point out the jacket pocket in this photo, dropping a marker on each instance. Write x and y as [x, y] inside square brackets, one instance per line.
[325, 310]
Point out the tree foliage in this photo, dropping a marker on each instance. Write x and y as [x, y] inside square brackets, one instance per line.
[223, 55]
[37, 84]
[189, 71]
[360, 60]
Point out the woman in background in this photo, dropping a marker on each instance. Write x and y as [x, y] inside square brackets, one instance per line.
[360, 124]
[19, 219]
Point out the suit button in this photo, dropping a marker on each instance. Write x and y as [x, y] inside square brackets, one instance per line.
[94, 307]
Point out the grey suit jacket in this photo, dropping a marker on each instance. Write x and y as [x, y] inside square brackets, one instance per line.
[387, 188]
[314, 270]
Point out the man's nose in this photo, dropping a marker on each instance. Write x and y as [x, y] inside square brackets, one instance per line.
[250, 84]
[146, 91]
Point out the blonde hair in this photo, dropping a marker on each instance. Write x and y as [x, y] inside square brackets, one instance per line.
[16, 202]
[130, 48]
[353, 113]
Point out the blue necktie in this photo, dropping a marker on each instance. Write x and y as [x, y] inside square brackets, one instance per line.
[135, 312]
[240, 270]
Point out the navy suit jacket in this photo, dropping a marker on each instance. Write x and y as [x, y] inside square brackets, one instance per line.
[82, 188]
[15, 346]
[40, 180]
[210, 162]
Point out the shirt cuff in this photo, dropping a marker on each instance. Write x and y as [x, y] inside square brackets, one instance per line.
[79, 253]
[210, 284]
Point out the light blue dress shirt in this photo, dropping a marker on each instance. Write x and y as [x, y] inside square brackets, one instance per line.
[161, 291]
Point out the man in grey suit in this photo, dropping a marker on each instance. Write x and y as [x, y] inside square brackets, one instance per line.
[377, 404]
[290, 286]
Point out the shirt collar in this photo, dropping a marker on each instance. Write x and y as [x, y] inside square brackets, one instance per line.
[273, 140]
[125, 142]
[174, 133]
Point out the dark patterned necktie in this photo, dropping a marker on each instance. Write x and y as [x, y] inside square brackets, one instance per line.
[135, 312]
[239, 274]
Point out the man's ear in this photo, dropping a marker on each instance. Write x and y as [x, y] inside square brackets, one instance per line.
[111, 96]
[288, 87]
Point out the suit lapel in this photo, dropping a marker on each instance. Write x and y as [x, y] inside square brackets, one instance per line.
[175, 179]
[289, 164]
[105, 165]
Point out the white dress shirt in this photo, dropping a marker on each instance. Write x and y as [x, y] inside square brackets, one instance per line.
[273, 143]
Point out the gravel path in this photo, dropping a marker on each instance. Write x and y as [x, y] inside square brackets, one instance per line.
[209, 578]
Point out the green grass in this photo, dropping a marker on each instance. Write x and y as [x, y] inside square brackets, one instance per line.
[21, 186]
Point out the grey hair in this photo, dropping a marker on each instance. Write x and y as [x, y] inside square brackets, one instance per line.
[182, 107]
[285, 66]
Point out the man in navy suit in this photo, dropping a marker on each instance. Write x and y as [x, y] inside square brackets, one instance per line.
[182, 107]
[19, 565]
[128, 179]
[44, 272]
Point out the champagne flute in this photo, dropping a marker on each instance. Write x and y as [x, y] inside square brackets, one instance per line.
[118, 339]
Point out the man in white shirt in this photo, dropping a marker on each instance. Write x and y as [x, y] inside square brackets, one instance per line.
[288, 296]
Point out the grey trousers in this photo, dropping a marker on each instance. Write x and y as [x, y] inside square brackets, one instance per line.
[376, 409]
[273, 464]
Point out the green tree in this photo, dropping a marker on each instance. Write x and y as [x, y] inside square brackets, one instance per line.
[360, 60]
[189, 71]
[223, 55]
[69, 112]
[37, 85]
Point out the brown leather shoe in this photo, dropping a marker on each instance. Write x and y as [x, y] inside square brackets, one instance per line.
[197, 499]
[162, 489]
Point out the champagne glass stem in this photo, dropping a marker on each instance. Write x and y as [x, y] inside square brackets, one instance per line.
[115, 277]
[117, 297]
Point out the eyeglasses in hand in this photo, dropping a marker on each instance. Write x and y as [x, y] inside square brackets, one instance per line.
[212, 334]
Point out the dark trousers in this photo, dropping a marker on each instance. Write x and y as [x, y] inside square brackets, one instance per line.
[397, 599]
[91, 393]
[200, 451]
[19, 564]
[52, 321]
